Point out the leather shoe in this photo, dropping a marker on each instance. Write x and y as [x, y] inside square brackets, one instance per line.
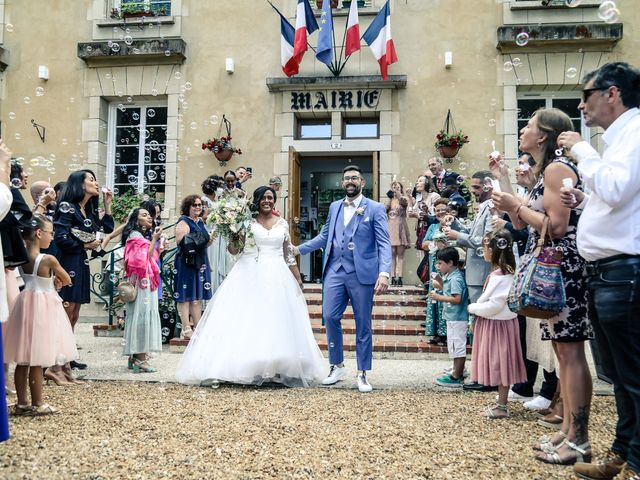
[478, 387]
[610, 466]
[78, 365]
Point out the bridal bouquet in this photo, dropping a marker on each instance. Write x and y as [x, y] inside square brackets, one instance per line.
[232, 218]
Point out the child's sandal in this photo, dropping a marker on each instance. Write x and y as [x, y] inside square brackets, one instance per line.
[44, 409]
[22, 410]
[495, 412]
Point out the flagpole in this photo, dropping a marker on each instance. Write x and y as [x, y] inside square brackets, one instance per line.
[347, 58]
[344, 37]
[336, 66]
[285, 19]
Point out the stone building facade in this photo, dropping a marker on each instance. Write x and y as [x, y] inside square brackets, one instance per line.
[133, 98]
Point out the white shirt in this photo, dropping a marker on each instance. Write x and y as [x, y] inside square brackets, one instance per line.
[610, 222]
[492, 304]
[350, 210]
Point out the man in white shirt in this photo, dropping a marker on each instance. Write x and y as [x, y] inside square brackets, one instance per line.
[608, 237]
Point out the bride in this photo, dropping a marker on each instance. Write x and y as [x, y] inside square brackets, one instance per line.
[256, 327]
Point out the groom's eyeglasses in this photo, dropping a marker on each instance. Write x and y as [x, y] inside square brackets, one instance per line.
[353, 178]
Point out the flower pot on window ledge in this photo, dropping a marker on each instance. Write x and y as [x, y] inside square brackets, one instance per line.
[448, 151]
[334, 4]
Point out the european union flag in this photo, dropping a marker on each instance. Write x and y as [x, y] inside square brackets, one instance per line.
[324, 51]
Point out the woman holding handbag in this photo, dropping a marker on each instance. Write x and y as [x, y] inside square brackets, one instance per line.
[571, 327]
[192, 282]
[142, 330]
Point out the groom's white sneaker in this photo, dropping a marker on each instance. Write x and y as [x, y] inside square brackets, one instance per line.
[363, 384]
[335, 375]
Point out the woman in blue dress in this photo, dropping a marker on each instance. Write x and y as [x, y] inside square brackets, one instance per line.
[76, 223]
[192, 281]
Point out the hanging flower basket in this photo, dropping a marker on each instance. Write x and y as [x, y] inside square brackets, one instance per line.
[223, 155]
[449, 140]
[220, 146]
[448, 151]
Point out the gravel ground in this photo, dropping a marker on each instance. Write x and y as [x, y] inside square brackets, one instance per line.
[110, 430]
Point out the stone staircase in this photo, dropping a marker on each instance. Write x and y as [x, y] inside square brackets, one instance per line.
[396, 321]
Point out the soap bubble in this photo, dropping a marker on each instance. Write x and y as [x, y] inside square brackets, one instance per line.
[87, 223]
[27, 100]
[492, 122]
[178, 75]
[151, 113]
[128, 39]
[72, 274]
[480, 252]
[135, 116]
[151, 175]
[39, 91]
[522, 39]
[508, 66]
[16, 183]
[115, 47]
[193, 125]
[188, 86]
[9, 27]
[351, 246]
[559, 152]
[462, 166]
[64, 207]
[572, 72]
[502, 243]
[12, 115]
[207, 286]
[572, 3]
[213, 119]
[460, 180]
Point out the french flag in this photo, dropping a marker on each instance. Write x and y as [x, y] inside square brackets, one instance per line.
[287, 35]
[353, 30]
[378, 37]
[305, 24]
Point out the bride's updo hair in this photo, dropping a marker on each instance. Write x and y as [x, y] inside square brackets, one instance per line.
[258, 193]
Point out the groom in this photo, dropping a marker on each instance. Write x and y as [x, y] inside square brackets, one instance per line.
[357, 260]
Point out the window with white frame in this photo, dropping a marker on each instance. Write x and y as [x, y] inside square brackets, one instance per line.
[138, 148]
[529, 102]
[156, 8]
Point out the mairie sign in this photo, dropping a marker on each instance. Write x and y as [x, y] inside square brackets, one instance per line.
[335, 99]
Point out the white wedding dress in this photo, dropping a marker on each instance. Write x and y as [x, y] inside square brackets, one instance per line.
[256, 327]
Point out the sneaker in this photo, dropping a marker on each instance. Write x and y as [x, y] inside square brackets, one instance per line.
[335, 375]
[449, 371]
[363, 384]
[449, 381]
[515, 397]
[610, 466]
[538, 403]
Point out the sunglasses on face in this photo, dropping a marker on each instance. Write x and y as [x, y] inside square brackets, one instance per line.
[196, 205]
[587, 92]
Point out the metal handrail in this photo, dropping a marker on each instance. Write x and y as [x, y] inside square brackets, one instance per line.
[104, 283]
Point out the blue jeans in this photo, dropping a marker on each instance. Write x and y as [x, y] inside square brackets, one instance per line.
[614, 307]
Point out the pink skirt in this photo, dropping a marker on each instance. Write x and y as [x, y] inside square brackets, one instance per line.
[39, 332]
[496, 358]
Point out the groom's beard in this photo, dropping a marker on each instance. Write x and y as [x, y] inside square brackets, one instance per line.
[352, 191]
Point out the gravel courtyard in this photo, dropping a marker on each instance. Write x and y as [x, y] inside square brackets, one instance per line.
[108, 430]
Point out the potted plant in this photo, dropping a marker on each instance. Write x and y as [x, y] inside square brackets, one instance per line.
[130, 10]
[222, 148]
[449, 143]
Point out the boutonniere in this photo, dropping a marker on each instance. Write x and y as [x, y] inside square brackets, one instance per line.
[360, 211]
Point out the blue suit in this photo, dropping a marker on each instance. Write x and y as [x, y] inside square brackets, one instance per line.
[354, 257]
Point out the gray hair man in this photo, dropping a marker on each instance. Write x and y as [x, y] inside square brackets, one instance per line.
[608, 237]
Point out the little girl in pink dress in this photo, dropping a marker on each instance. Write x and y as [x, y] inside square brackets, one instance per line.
[39, 333]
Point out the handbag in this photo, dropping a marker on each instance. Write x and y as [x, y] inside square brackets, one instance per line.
[127, 291]
[423, 269]
[421, 231]
[538, 287]
[82, 236]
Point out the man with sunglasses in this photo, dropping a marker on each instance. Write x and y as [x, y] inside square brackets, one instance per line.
[357, 262]
[608, 237]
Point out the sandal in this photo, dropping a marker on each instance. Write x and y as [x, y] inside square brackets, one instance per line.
[22, 410]
[44, 409]
[130, 362]
[495, 412]
[142, 367]
[186, 332]
[580, 453]
[546, 444]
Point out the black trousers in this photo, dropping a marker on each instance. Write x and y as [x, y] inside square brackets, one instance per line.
[550, 382]
[614, 308]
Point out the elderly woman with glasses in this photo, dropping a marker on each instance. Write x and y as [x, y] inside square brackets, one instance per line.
[192, 282]
[435, 240]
